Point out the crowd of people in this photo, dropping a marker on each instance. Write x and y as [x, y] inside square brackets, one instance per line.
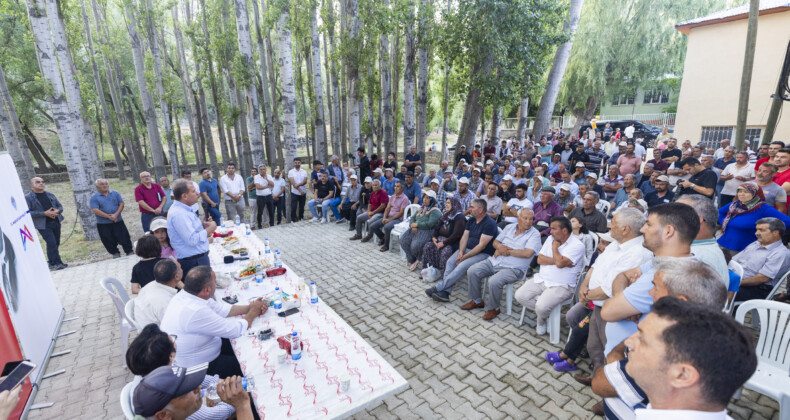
[634, 241]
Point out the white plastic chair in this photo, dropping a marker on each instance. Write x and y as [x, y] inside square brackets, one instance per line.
[773, 364]
[126, 401]
[403, 226]
[119, 298]
[736, 268]
[605, 207]
[129, 312]
[769, 297]
[555, 317]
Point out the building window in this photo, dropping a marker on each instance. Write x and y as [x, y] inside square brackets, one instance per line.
[712, 136]
[627, 99]
[656, 97]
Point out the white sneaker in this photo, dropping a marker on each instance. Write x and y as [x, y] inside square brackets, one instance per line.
[324, 221]
[313, 220]
[540, 329]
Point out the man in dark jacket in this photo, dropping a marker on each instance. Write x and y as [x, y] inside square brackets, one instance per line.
[45, 209]
[463, 154]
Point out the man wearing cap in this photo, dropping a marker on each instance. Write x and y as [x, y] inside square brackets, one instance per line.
[419, 176]
[650, 186]
[621, 148]
[493, 202]
[373, 212]
[462, 154]
[475, 181]
[593, 219]
[233, 190]
[203, 325]
[297, 177]
[107, 205]
[450, 183]
[392, 215]
[172, 392]
[661, 195]
[441, 196]
[579, 176]
[507, 188]
[545, 209]
[378, 173]
[350, 202]
[564, 197]
[462, 170]
[388, 185]
[592, 182]
[566, 180]
[412, 189]
[189, 236]
[464, 195]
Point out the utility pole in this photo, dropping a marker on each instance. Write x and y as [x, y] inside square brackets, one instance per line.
[777, 101]
[746, 76]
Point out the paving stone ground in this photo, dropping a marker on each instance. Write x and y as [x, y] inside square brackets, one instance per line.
[458, 366]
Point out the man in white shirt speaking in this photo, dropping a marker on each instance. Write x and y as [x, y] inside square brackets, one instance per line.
[233, 189]
[203, 326]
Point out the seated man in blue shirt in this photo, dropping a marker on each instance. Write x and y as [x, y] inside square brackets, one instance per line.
[764, 261]
[388, 184]
[412, 189]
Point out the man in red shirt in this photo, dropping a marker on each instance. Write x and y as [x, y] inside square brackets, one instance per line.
[772, 149]
[150, 198]
[375, 210]
[782, 161]
[489, 150]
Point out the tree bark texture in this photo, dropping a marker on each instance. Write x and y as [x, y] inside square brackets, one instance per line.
[408, 80]
[288, 88]
[253, 109]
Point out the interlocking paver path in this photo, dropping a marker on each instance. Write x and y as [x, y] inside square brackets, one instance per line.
[457, 365]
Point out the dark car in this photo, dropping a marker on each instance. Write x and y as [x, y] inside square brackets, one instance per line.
[646, 131]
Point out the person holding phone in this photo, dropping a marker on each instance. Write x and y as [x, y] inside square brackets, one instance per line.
[45, 209]
[11, 381]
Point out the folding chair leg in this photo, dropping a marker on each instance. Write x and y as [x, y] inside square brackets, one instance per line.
[124, 341]
[554, 325]
[523, 311]
[509, 298]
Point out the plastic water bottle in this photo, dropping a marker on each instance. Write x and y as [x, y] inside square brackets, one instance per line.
[277, 262]
[248, 383]
[266, 244]
[259, 274]
[313, 293]
[249, 232]
[238, 220]
[212, 397]
[221, 222]
[296, 347]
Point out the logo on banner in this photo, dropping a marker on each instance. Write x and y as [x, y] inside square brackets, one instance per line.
[13, 202]
[26, 236]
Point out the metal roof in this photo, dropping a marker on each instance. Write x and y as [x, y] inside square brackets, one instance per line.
[735, 13]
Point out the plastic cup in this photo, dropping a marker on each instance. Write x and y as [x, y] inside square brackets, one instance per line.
[345, 383]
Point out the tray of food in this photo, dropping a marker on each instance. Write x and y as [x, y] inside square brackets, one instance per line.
[249, 270]
[239, 251]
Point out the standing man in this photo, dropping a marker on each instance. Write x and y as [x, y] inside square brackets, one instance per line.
[209, 190]
[629, 163]
[772, 149]
[165, 184]
[775, 195]
[189, 236]
[107, 205]
[413, 159]
[364, 163]
[252, 195]
[278, 196]
[151, 199]
[629, 131]
[298, 178]
[263, 186]
[734, 175]
[719, 153]
[45, 209]
[233, 187]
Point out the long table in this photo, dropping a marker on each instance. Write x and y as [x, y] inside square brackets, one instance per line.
[310, 387]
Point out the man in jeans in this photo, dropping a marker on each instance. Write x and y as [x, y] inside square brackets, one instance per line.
[252, 195]
[350, 202]
[393, 215]
[278, 195]
[560, 260]
[298, 178]
[476, 245]
[45, 209]
[233, 189]
[263, 191]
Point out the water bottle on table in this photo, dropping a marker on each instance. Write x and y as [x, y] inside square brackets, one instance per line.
[266, 244]
[313, 293]
[296, 346]
[277, 262]
[238, 220]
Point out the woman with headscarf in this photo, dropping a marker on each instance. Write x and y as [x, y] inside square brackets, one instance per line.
[738, 219]
[421, 226]
[446, 235]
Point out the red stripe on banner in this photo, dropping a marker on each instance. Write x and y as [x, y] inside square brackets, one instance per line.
[10, 352]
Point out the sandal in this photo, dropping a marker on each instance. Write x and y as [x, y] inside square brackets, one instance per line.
[564, 366]
[553, 357]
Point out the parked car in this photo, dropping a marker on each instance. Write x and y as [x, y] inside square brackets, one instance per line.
[644, 130]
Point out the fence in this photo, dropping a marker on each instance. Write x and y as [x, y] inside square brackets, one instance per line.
[664, 119]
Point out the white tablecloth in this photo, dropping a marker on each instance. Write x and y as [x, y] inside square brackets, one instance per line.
[310, 387]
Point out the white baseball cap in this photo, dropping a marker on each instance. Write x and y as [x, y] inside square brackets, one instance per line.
[507, 178]
[592, 175]
[353, 177]
[429, 193]
[622, 143]
[580, 164]
[565, 187]
[368, 179]
[378, 170]
[489, 162]
[436, 181]
[525, 164]
[464, 180]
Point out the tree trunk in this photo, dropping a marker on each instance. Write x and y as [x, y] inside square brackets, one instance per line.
[318, 88]
[396, 73]
[212, 78]
[154, 44]
[268, 103]
[245, 49]
[746, 75]
[100, 96]
[243, 145]
[422, 78]
[273, 150]
[334, 108]
[584, 114]
[39, 154]
[208, 136]
[408, 80]
[352, 66]
[288, 88]
[472, 109]
[67, 121]
[496, 124]
[180, 142]
[549, 98]
[386, 89]
[186, 83]
[14, 143]
[523, 109]
[157, 152]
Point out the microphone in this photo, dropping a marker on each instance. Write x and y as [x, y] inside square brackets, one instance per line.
[230, 258]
